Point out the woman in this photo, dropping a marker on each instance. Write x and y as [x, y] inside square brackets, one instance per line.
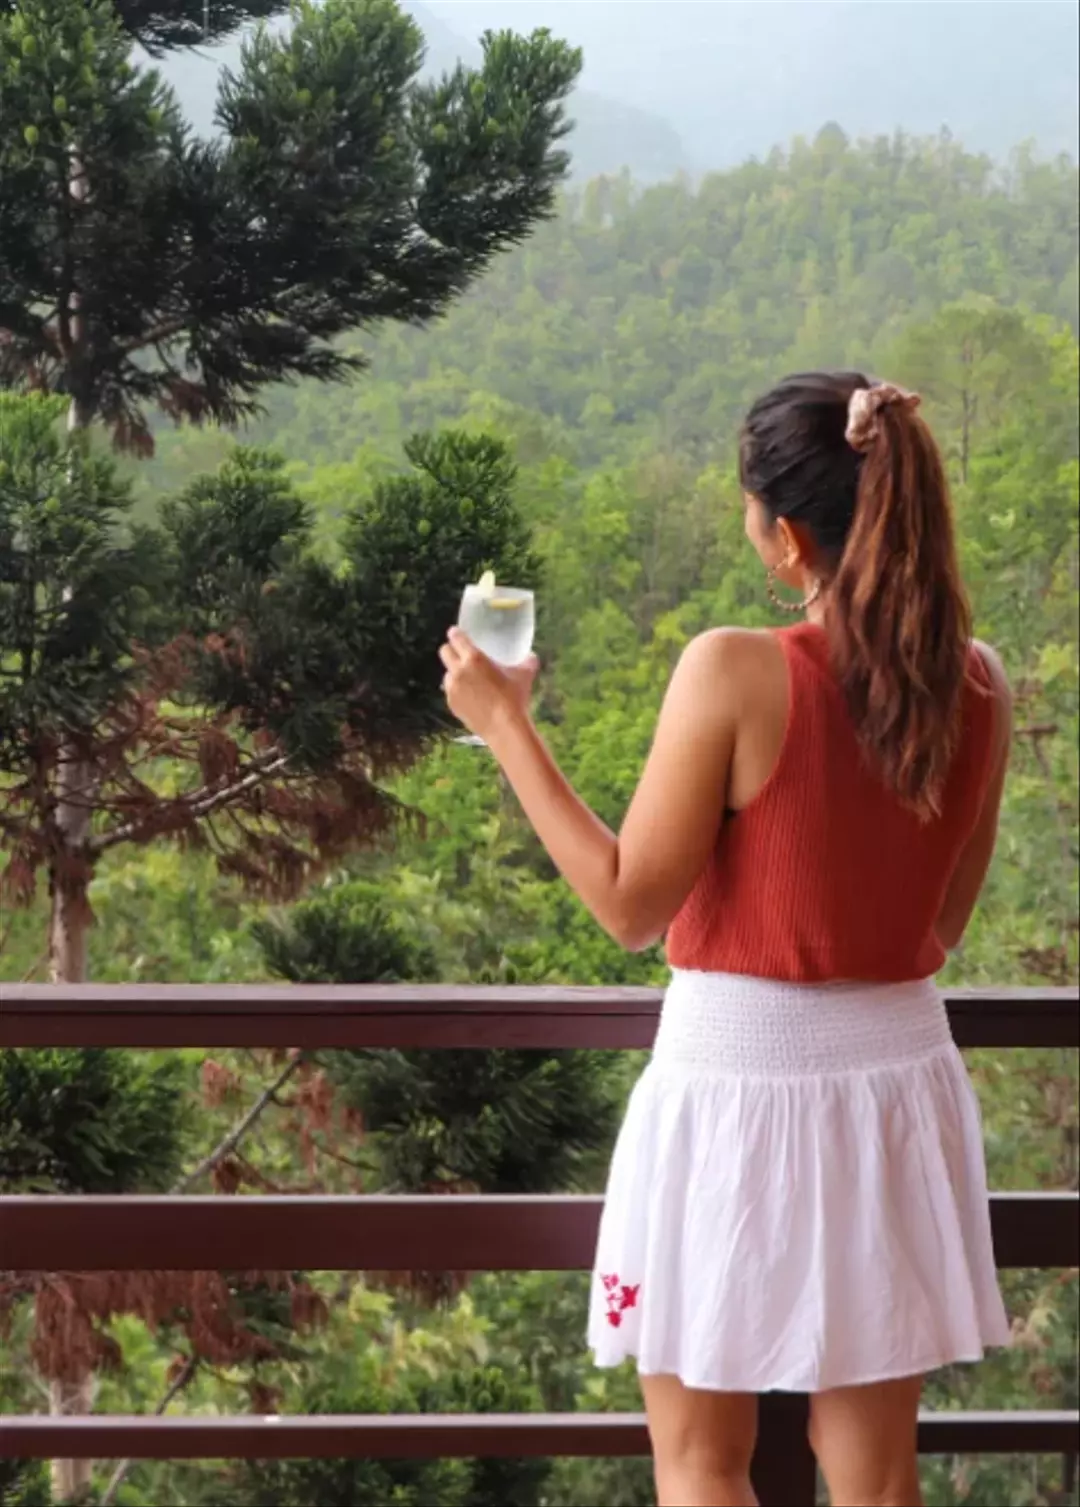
[797, 1199]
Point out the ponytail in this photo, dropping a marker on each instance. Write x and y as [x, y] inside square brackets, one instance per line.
[854, 463]
[897, 617]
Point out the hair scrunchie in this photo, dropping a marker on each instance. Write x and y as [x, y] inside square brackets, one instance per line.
[865, 405]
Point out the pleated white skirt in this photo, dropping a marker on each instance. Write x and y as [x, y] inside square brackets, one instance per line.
[797, 1199]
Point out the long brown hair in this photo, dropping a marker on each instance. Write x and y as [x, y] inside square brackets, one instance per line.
[867, 482]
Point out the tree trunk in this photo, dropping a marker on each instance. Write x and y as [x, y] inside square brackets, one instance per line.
[966, 424]
[69, 924]
[71, 1478]
[967, 409]
[69, 874]
[69, 879]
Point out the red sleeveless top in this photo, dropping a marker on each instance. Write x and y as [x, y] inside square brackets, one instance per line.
[825, 875]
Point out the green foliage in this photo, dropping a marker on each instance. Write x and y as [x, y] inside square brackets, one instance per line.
[89, 1121]
[496, 1121]
[346, 934]
[975, 361]
[369, 1359]
[410, 547]
[74, 589]
[24, 1483]
[231, 533]
[439, 1483]
[160, 914]
[410, 1383]
[162, 25]
[338, 650]
[79, 229]
[456, 505]
[816, 256]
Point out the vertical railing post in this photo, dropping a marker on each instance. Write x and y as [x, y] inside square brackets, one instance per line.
[784, 1471]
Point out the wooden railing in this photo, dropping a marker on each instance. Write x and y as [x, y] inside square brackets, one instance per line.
[469, 1233]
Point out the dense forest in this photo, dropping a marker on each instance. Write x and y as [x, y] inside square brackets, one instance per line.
[606, 363]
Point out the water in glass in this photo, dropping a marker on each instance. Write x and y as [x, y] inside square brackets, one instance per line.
[500, 622]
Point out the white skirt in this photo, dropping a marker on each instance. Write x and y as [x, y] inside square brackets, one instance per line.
[797, 1199]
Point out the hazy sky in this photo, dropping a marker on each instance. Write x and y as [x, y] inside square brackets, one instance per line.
[869, 64]
[723, 80]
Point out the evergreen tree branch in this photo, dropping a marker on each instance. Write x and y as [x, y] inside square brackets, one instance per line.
[156, 335]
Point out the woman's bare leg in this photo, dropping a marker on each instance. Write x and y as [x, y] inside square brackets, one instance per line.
[702, 1442]
[865, 1440]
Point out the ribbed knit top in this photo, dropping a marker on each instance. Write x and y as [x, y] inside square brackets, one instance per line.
[826, 875]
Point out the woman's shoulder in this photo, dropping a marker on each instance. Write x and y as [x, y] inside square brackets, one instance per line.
[747, 666]
[734, 649]
[987, 660]
[740, 655]
[991, 682]
[767, 662]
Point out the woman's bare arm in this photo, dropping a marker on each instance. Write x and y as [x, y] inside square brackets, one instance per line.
[636, 882]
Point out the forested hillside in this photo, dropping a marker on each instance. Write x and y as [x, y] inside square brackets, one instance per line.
[648, 319]
[614, 354]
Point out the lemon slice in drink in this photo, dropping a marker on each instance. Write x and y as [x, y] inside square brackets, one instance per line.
[486, 584]
[506, 604]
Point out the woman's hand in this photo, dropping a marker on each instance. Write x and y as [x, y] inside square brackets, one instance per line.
[480, 693]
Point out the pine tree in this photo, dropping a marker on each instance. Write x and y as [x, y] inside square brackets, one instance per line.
[143, 270]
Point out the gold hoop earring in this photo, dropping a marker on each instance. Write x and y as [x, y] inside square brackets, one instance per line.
[777, 600]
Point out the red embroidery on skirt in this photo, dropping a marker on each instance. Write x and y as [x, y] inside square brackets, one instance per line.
[618, 1296]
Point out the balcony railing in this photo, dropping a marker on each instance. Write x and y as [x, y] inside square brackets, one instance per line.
[487, 1233]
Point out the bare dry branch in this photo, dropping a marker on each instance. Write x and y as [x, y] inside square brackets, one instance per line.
[240, 1129]
[198, 804]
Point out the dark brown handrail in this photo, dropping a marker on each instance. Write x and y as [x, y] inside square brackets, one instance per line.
[406, 1015]
[506, 1435]
[385, 1233]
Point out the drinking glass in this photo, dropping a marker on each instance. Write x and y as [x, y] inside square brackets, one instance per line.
[501, 621]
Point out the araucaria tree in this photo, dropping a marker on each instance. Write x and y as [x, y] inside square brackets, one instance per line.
[143, 271]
